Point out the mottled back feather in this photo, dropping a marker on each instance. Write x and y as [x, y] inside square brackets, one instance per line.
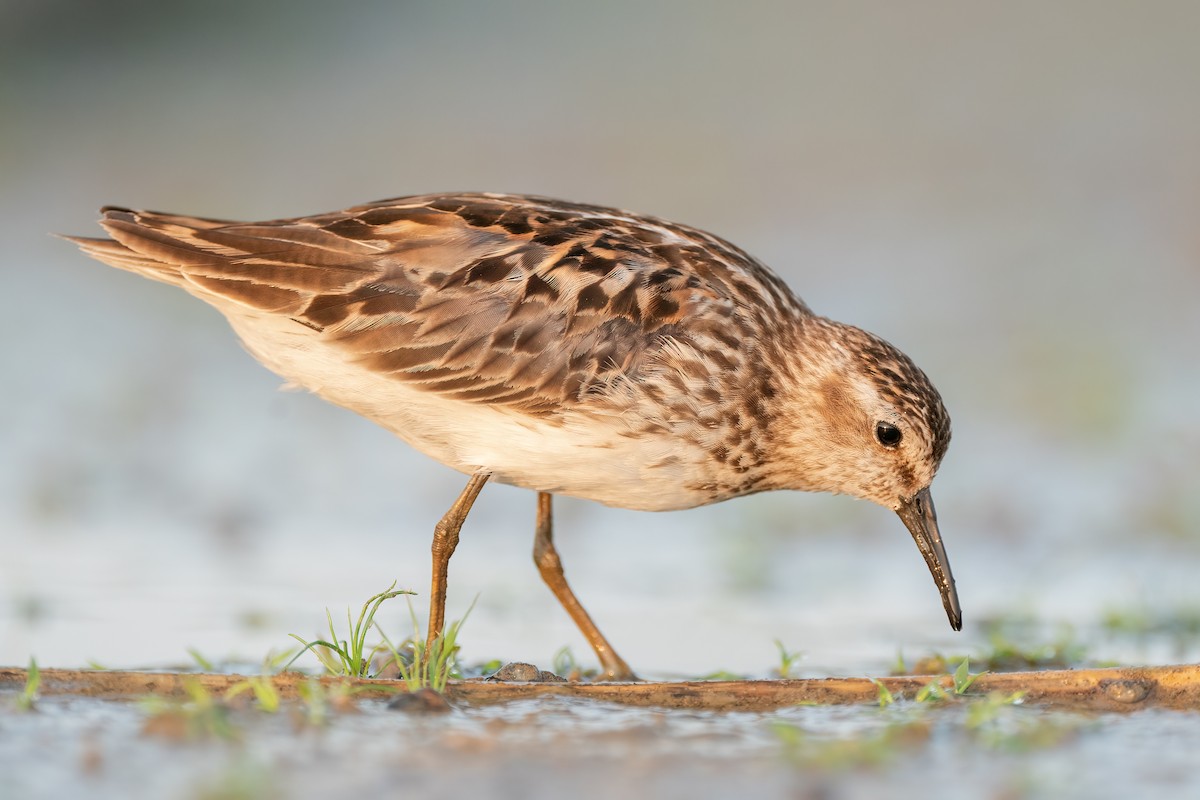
[524, 301]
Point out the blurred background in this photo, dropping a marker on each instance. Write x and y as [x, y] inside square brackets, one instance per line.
[1009, 192]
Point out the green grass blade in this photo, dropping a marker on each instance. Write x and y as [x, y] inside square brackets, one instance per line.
[33, 680]
[885, 696]
[201, 661]
[963, 677]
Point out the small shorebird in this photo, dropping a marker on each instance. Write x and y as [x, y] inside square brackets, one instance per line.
[564, 348]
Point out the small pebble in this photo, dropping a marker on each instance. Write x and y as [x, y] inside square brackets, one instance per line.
[518, 672]
[1127, 691]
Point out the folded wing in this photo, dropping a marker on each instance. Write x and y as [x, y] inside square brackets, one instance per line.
[505, 299]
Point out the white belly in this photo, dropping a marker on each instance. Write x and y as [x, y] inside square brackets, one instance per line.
[586, 456]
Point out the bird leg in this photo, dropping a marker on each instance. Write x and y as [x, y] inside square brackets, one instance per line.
[445, 539]
[550, 567]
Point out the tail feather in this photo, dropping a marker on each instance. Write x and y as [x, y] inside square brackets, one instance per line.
[196, 223]
[160, 242]
[222, 262]
[118, 255]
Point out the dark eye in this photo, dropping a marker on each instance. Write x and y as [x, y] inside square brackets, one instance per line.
[887, 434]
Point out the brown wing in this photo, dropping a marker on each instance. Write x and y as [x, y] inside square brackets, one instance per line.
[519, 300]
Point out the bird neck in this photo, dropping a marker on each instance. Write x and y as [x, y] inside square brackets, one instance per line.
[816, 408]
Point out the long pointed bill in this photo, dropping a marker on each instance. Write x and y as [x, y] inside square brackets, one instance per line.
[921, 521]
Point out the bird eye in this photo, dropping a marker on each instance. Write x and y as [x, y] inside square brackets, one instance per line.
[887, 434]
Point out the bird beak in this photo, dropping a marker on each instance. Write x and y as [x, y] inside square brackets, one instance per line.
[921, 521]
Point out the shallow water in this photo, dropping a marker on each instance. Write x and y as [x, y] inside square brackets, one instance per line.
[556, 747]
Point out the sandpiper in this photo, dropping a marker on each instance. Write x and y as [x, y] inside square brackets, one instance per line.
[567, 349]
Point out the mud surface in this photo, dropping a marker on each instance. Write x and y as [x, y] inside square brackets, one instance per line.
[562, 746]
[1112, 689]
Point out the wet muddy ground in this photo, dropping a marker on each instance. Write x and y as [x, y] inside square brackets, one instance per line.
[557, 746]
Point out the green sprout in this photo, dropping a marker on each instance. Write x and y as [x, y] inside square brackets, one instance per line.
[885, 696]
[33, 680]
[931, 692]
[202, 662]
[350, 657]
[426, 664]
[963, 677]
[787, 660]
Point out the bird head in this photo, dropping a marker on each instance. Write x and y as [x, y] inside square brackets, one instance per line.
[869, 423]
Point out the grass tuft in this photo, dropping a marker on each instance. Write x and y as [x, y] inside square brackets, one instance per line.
[424, 664]
[419, 662]
[350, 657]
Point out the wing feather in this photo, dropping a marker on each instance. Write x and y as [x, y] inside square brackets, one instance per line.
[521, 301]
